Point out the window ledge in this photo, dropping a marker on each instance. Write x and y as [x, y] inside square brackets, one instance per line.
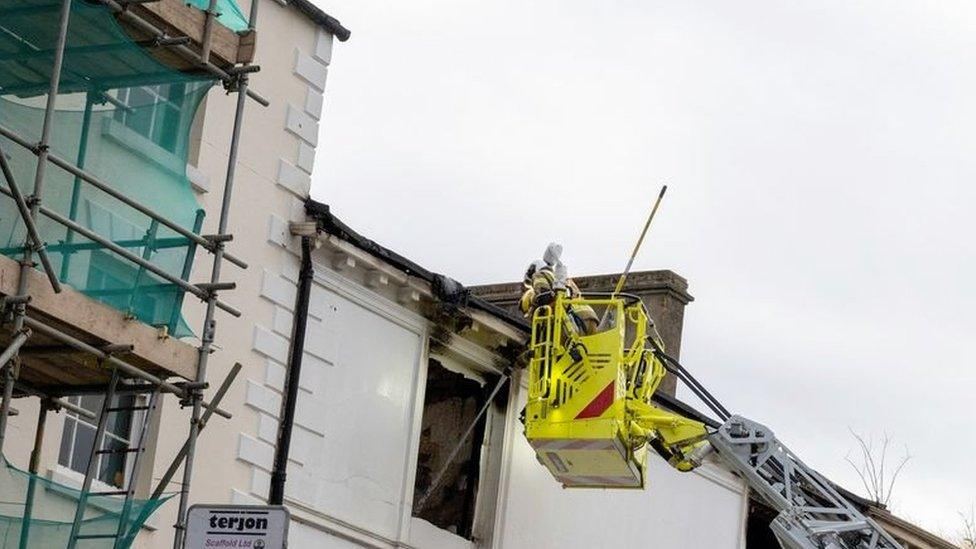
[73, 479]
[425, 534]
[198, 180]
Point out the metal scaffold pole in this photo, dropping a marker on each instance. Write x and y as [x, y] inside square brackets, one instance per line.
[10, 360]
[209, 325]
[108, 355]
[69, 237]
[9, 378]
[35, 459]
[197, 422]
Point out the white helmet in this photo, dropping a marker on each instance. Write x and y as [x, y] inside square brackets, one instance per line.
[552, 254]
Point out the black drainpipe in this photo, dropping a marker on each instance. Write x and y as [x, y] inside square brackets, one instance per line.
[292, 377]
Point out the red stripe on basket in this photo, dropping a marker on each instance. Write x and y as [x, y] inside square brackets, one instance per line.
[599, 404]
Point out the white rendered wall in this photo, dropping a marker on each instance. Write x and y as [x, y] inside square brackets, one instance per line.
[357, 487]
[352, 481]
[367, 390]
[704, 509]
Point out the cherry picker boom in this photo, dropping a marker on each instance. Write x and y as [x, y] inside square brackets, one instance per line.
[591, 421]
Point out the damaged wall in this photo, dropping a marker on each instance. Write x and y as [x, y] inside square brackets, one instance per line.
[451, 404]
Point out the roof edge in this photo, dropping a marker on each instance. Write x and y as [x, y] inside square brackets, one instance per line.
[322, 19]
[883, 515]
[329, 223]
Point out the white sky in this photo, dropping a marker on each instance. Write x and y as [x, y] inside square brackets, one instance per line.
[819, 157]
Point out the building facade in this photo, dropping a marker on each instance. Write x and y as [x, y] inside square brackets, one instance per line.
[402, 360]
[276, 154]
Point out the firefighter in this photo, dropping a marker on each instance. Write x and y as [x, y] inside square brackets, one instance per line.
[543, 279]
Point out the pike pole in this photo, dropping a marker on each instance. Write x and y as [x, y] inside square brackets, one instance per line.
[607, 316]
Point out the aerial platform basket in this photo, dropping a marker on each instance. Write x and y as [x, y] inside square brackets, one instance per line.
[577, 417]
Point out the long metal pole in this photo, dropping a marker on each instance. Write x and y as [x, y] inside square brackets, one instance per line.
[76, 186]
[147, 252]
[208, 322]
[25, 214]
[191, 249]
[630, 262]
[161, 244]
[35, 460]
[57, 403]
[44, 144]
[9, 378]
[196, 421]
[214, 403]
[208, 23]
[10, 368]
[11, 350]
[608, 315]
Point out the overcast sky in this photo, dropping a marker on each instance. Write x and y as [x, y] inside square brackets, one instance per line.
[819, 157]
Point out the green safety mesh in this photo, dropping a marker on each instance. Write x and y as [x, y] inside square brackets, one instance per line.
[123, 116]
[230, 14]
[50, 511]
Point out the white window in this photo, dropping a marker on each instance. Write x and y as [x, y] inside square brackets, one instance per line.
[78, 437]
[156, 113]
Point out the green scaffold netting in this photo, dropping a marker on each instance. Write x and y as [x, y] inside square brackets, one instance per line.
[50, 511]
[122, 116]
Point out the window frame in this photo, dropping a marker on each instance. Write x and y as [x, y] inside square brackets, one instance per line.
[163, 105]
[72, 421]
[461, 356]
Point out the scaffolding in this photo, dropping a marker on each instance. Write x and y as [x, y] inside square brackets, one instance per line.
[49, 354]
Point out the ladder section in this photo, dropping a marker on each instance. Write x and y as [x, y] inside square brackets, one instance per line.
[111, 408]
[812, 514]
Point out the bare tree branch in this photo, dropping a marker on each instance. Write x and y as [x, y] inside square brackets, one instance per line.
[894, 477]
[967, 536]
[874, 469]
[864, 478]
[884, 454]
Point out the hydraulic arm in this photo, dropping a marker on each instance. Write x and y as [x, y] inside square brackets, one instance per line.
[591, 421]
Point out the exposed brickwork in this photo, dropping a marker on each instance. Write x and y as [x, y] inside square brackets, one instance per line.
[665, 294]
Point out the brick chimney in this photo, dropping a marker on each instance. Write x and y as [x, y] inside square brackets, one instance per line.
[665, 294]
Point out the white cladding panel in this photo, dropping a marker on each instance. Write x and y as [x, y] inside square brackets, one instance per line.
[675, 511]
[368, 390]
